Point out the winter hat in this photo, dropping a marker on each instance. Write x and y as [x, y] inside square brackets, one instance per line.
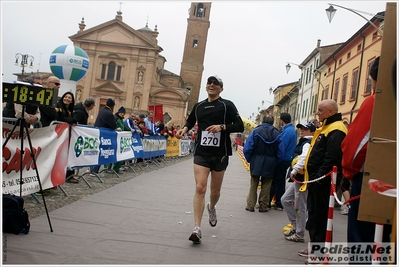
[110, 102]
[122, 110]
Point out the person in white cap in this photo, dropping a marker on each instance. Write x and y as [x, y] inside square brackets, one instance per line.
[216, 118]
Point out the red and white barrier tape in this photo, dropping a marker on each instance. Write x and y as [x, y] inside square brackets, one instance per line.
[382, 188]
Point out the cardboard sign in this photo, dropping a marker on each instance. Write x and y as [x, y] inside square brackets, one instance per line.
[381, 162]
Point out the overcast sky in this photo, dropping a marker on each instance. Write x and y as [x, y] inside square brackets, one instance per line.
[249, 42]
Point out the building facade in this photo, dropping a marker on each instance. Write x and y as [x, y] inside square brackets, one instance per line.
[346, 77]
[127, 66]
[310, 85]
[285, 101]
[339, 72]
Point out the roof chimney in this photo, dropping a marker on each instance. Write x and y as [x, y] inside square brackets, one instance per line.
[318, 43]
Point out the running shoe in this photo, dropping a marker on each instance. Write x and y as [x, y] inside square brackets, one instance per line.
[305, 253]
[289, 232]
[196, 235]
[295, 238]
[212, 216]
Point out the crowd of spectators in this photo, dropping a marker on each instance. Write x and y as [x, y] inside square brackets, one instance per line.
[66, 110]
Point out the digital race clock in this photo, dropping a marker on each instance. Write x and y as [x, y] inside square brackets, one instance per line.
[26, 94]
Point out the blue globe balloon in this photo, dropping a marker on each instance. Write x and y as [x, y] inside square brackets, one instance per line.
[69, 62]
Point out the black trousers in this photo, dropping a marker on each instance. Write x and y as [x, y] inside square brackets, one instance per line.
[318, 202]
[278, 183]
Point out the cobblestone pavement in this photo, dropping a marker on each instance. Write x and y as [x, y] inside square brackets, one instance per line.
[56, 199]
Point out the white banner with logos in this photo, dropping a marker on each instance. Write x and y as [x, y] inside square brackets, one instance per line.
[184, 147]
[97, 146]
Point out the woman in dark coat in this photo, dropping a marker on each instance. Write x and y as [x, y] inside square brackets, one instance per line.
[65, 107]
[64, 111]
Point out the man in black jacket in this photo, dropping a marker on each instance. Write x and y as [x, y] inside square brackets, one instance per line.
[325, 153]
[48, 114]
[81, 110]
[105, 119]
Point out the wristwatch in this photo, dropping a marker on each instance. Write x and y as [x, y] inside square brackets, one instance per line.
[222, 126]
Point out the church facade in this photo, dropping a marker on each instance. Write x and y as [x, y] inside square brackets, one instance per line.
[127, 66]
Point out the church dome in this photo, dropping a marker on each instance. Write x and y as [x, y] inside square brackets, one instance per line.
[146, 28]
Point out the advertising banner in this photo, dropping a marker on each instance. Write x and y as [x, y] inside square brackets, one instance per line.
[107, 146]
[124, 141]
[59, 146]
[154, 146]
[84, 146]
[137, 146]
[50, 147]
[184, 147]
[97, 146]
[173, 147]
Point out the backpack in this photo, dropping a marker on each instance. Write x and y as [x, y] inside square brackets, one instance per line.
[15, 217]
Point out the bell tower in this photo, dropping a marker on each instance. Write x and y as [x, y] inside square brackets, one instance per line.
[192, 65]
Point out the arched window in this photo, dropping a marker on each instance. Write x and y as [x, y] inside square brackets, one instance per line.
[200, 10]
[103, 69]
[111, 71]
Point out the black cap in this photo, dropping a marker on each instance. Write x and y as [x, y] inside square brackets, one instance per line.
[110, 102]
[308, 125]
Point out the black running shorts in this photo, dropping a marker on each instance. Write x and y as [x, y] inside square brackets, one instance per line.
[214, 163]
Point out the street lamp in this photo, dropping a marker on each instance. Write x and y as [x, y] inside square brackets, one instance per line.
[331, 12]
[288, 66]
[24, 61]
[263, 102]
